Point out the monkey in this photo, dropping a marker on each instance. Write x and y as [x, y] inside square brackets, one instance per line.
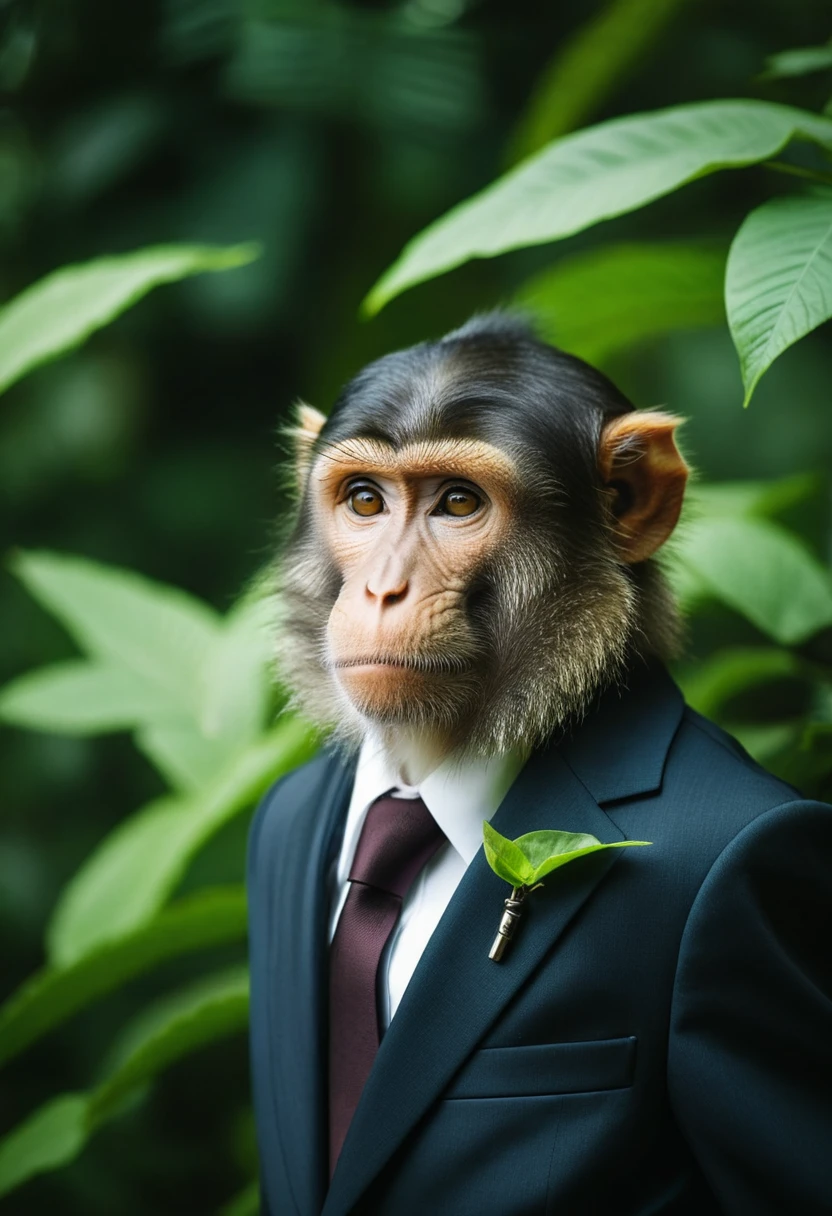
[472, 603]
[473, 557]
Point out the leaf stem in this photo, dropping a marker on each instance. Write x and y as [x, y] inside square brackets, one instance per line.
[781, 166]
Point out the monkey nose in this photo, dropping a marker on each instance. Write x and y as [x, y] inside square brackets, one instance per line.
[386, 592]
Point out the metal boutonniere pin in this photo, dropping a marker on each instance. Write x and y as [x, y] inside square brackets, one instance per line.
[526, 861]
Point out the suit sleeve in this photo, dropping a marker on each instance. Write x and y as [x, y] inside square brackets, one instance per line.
[750, 1051]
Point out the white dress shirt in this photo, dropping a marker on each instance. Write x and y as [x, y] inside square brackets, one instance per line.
[459, 795]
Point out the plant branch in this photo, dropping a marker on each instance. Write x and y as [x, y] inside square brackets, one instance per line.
[781, 166]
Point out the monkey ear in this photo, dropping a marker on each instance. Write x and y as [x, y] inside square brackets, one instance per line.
[308, 423]
[639, 461]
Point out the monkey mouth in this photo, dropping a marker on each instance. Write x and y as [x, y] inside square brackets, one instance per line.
[435, 665]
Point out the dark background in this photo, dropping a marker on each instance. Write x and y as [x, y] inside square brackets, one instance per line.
[331, 133]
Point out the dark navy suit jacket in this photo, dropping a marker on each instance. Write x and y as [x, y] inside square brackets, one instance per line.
[658, 1039]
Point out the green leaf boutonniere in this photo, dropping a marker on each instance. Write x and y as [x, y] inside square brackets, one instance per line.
[526, 861]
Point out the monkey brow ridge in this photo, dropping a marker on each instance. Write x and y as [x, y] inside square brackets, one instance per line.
[471, 458]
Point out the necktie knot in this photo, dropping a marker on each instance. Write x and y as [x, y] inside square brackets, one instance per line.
[398, 839]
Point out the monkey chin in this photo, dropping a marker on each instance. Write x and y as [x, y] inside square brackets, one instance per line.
[398, 693]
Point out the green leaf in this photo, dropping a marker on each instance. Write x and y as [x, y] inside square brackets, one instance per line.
[766, 741]
[728, 499]
[528, 859]
[596, 174]
[53, 1136]
[805, 759]
[194, 687]
[125, 881]
[761, 571]
[158, 632]
[80, 698]
[799, 61]
[504, 857]
[235, 694]
[778, 282]
[817, 732]
[177, 1025]
[245, 1203]
[588, 68]
[236, 688]
[365, 64]
[57, 1133]
[546, 851]
[50, 997]
[816, 749]
[562, 859]
[608, 300]
[134, 870]
[63, 309]
[731, 672]
[181, 753]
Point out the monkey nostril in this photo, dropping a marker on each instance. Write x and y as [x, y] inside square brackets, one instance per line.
[388, 597]
[393, 596]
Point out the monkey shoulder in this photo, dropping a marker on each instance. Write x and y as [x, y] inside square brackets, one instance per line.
[715, 778]
[700, 743]
[739, 862]
[716, 800]
[286, 816]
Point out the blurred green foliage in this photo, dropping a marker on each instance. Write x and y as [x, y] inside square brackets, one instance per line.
[330, 133]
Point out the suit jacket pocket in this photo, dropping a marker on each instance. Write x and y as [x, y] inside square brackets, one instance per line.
[548, 1068]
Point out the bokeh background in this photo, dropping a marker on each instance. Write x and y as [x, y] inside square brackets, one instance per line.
[331, 133]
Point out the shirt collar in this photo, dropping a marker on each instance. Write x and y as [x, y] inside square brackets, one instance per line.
[459, 794]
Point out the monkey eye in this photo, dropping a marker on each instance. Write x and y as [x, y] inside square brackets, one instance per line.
[364, 500]
[458, 501]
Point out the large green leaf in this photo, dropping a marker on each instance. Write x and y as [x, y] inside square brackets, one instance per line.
[799, 61]
[181, 753]
[53, 1136]
[208, 918]
[57, 1133]
[175, 1026]
[728, 499]
[596, 174]
[154, 630]
[245, 1203]
[124, 882]
[236, 688]
[79, 698]
[193, 686]
[767, 742]
[62, 310]
[778, 283]
[598, 303]
[134, 870]
[378, 65]
[585, 71]
[731, 672]
[760, 570]
[817, 741]
[234, 697]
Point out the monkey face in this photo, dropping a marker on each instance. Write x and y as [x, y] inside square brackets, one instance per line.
[408, 531]
[472, 557]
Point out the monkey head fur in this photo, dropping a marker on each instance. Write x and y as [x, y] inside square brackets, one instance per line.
[506, 638]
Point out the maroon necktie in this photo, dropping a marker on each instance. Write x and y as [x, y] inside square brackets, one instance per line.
[399, 836]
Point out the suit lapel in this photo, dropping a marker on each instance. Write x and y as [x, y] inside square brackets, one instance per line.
[297, 970]
[457, 992]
